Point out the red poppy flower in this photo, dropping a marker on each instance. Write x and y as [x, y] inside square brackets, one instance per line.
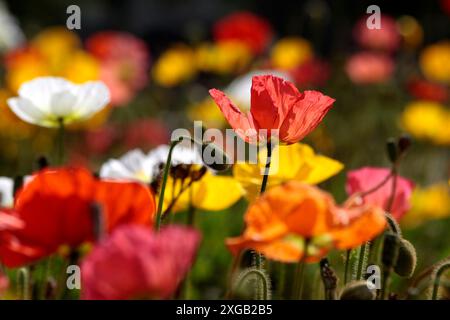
[145, 264]
[366, 178]
[276, 104]
[56, 208]
[368, 67]
[386, 37]
[312, 73]
[425, 90]
[244, 27]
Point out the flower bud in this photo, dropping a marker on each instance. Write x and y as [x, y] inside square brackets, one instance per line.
[390, 250]
[42, 162]
[406, 260]
[391, 147]
[214, 157]
[358, 290]
[404, 142]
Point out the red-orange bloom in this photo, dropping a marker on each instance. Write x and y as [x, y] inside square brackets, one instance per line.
[285, 218]
[56, 208]
[276, 106]
[244, 27]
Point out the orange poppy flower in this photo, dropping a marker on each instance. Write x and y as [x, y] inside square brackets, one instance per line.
[290, 217]
[277, 107]
[56, 208]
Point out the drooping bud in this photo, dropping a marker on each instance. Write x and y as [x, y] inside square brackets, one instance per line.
[196, 175]
[329, 279]
[42, 162]
[391, 148]
[358, 290]
[404, 142]
[406, 260]
[214, 157]
[390, 250]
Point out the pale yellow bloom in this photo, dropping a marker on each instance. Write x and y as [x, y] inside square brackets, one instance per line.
[292, 162]
[175, 66]
[223, 58]
[435, 61]
[290, 52]
[427, 120]
[432, 202]
[208, 112]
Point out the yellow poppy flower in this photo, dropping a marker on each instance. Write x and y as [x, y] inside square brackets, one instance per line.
[211, 193]
[223, 57]
[292, 162]
[82, 67]
[432, 202]
[207, 112]
[435, 61]
[56, 44]
[290, 52]
[175, 66]
[427, 120]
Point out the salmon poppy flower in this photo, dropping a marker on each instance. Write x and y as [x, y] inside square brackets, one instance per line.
[245, 27]
[293, 220]
[366, 178]
[276, 105]
[56, 208]
[145, 264]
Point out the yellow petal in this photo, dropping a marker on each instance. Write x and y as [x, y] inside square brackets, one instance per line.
[293, 162]
[216, 192]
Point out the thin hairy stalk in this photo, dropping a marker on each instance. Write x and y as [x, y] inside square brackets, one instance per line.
[61, 137]
[347, 264]
[261, 277]
[437, 273]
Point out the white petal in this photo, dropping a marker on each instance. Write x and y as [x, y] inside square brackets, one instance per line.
[62, 104]
[114, 169]
[91, 98]
[6, 192]
[28, 112]
[180, 155]
[41, 90]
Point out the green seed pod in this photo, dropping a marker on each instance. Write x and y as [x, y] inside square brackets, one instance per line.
[358, 290]
[390, 250]
[406, 260]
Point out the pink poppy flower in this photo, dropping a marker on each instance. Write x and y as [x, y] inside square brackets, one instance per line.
[366, 178]
[276, 104]
[386, 38]
[124, 62]
[369, 67]
[135, 262]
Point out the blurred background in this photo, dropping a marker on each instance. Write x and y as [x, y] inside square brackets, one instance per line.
[159, 58]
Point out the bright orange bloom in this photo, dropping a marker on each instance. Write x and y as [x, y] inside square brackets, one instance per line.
[56, 208]
[285, 218]
[276, 104]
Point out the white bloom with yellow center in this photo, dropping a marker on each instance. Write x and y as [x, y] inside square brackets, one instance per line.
[52, 101]
[6, 192]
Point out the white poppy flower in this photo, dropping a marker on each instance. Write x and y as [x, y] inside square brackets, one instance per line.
[180, 155]
[48, 101]
[134, 165]
[11, 36]
[6, 192]
[240, 88]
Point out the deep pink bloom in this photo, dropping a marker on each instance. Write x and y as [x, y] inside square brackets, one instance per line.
[145, 133]
[276, 104]
[386, 38]
[369, 67]
[124, 62]
[135, 262]
[244, 27]
[4, 283]
[366, 178]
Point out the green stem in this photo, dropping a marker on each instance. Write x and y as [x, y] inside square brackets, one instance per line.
[362, 253]
[164, 182]
[437, 278]
[266, 168]
[262, 279]
[347, 264]
[282, 280]
[24, 283]
[299, 274]
[385, 284]
[61, 136]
